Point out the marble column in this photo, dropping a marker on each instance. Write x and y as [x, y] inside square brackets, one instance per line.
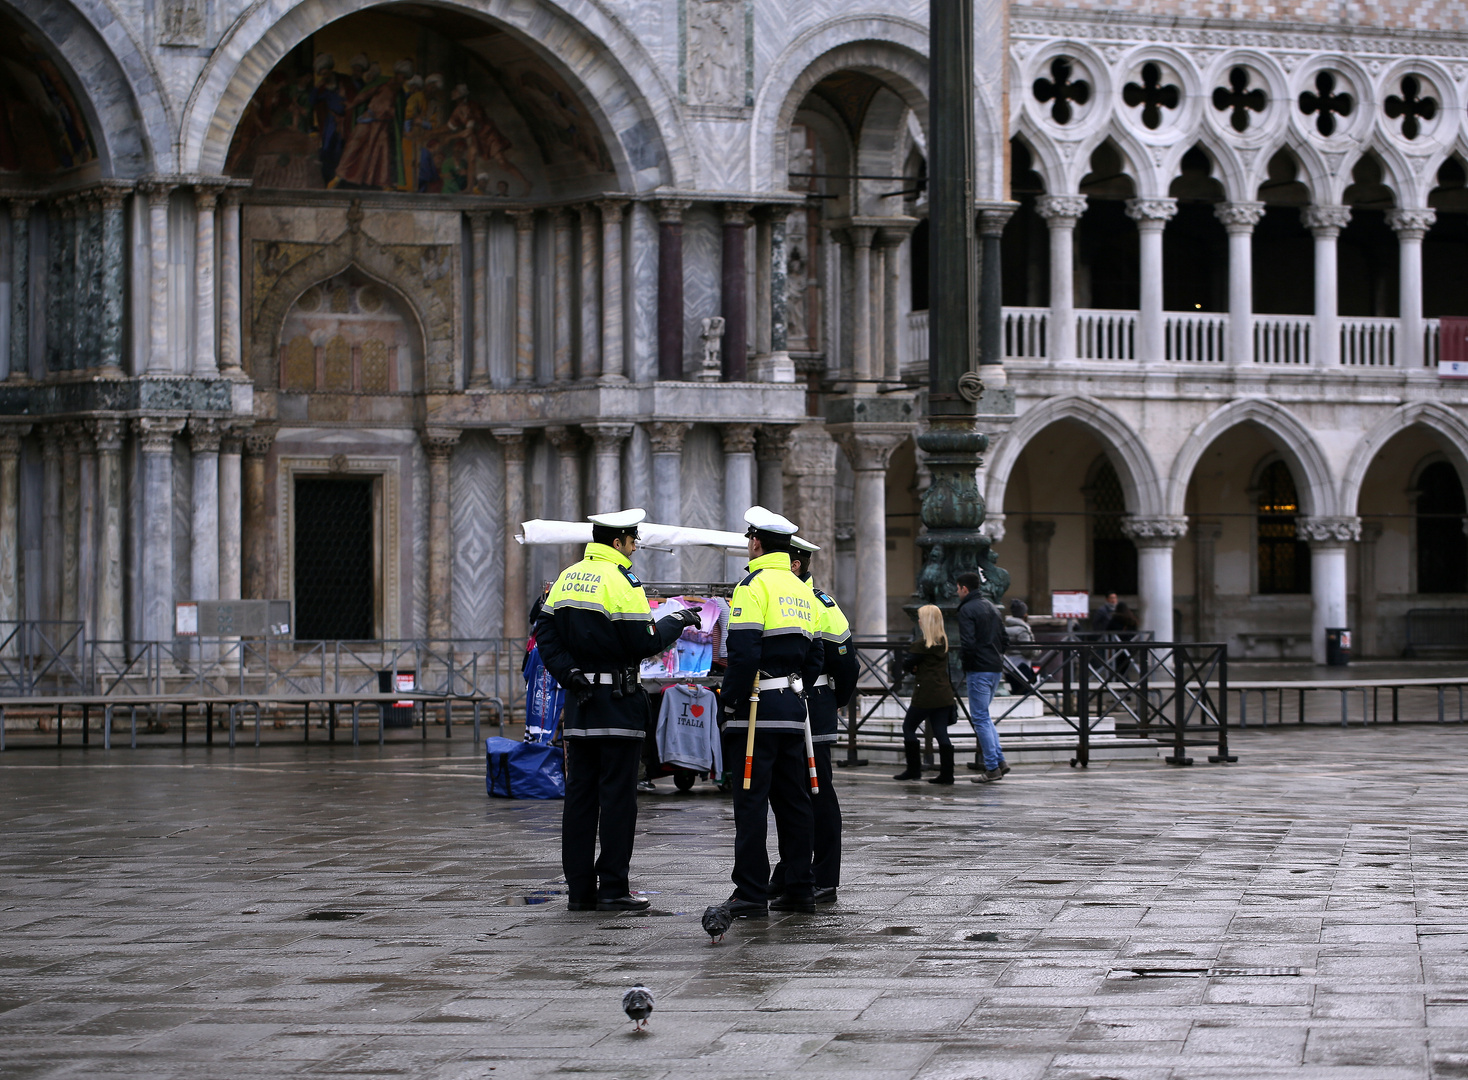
[10, 596]
[230, 444]
[891, 239]
[667, 490]
[20, 289]
[155, 437]
[992, 219]
[71, 506]
[1326, 223]
[1151, 216]
[51, 543]
[1061, 213]
[734, 293]
[479, 304]
[607, 441]
[1155, 538]
[772, 446]
[861, 302]
[1411, 228]
[738, 485]
[561, 238]
[159, 362]
[590, 351]
[204, 441]
[113, 285]
[206, 359]
[254, 524]
[87, 529]
[1367, 641]
[87, 284]
[69, 327]
[231, 363]
[1328, 538]
[107, 434]
[670, 288]
[764, 265]
[1206, 535]
[613, 363]
[567, 442]
[512, 446]
[810, 498]
[524, 296]
[1238, 221]
[1038, 535]
[869, 448]
[438, 444]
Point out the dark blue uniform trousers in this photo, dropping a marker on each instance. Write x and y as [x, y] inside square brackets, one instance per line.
[781, 783]
[601, 789]
[827, 811]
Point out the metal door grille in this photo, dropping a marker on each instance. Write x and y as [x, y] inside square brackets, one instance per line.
[334, 566]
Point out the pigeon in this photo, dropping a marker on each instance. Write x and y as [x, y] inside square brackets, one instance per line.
[637, 1004]
[716, 921]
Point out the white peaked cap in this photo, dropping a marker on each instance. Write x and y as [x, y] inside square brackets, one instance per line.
[621, 519]
[800, 543]
[769, 521]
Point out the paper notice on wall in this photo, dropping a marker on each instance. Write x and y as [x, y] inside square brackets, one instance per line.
[186, 620]
[1070, 605]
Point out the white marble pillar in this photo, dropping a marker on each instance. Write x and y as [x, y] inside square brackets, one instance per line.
[155, 437]
[107, 434]
[230, 512]
[1326, 222]
[1238, 221]
[206, 360]
[1328, 538]
[479, 305]
[231, 363]
[20, 289]
[1151, 216]
[772, 445]
[71, 507]
[861, 302]
[891, 314]
[159, 361]
[1411, 227]
[1061, 213]
[512, 446]
[869, 448]
[590, 308]
[561, 236]
[738, 486]
[51, 543]
[612, 318]
[204, 439]
[438, 445]
[10, 596]
[667, 490]
[607, 441]
[524, 296]
[1155, 539]
[568, 479]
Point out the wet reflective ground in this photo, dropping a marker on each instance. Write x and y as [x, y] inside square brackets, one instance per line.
[320, 911]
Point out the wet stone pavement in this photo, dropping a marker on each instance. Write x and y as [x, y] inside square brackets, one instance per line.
[327, 912]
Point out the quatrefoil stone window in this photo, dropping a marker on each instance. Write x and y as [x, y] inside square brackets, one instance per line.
[1152, 95]
[1061, 90]
[1413, 106]
[1325, 104]
[1238, 100]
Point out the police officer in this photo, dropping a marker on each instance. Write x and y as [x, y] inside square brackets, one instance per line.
[594, 630]
[772, 635]
[830, 693]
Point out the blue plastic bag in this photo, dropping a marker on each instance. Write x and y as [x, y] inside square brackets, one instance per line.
[544, 700]
[523, 770]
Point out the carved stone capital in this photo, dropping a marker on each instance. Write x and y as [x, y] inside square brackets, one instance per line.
[861, 236]
[156, 433]
[607, 439]
[869, 446]
[1326, 221]
[10, 437]
[478, 221]
[439, 443]
[1061, 210]
[670, 211]
[232, 437]
[772, 442]
[512, 443]
[204, 436]
[1239, 217]
[1038, 532]
[20, 209]
[738, 438]
[157, 191]
[1154, 531]
[994, 216]
[206, 196]
[611, 210]
[993, 528]
[258, 441]
[1151, 213]
[524, 219]
[667, 435]
[1411, 224]
[563, 438]
[737, 213]
[1328, 531]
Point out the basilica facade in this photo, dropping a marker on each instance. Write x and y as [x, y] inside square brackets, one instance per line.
[318, 301]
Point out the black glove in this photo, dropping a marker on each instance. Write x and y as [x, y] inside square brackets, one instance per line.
[580, 687]
[687, 616]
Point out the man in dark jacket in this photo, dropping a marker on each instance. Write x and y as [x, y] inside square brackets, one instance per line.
[983, 643]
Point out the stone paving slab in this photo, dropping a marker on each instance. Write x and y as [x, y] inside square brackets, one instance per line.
[1062, 925]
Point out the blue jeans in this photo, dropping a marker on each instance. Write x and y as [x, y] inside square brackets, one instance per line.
[981, 686]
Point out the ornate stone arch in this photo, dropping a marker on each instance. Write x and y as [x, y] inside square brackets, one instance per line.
[1130, 456]
[889, 49]
[423, 275]
[623, 90]
[1227, 168]
[1285, 432]
[1313, 171]
[1449, 431]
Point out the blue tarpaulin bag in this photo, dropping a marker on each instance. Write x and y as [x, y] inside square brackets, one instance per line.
[531, 768]
[544, 700]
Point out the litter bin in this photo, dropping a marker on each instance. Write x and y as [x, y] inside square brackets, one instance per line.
[1337, 646]
[399, 715]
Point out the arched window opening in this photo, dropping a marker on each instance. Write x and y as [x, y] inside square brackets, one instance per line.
[1107, 274]
[1026, 244]
[1195, 243]
[1284, 559]
[1442, 549]
[1367, 257]
[1445, 249]
[1113, 555]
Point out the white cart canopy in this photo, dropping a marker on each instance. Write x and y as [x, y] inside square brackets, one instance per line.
[650, 535]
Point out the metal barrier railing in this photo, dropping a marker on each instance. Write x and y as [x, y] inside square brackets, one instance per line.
[42, 655]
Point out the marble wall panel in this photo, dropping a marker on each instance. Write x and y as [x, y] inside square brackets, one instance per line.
[477, 508]
[181, 283]
[414, 615]
[703, 499]
[641, 290]
[545, 300]
[702, 268]
[723, 160]
[183, 520]
[30, 527]
[637, 469]
[501, 286]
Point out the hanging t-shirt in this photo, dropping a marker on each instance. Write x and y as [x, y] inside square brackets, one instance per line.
[688, 729]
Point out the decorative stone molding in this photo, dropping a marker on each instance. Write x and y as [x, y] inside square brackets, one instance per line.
[738, 438]
[204, 436]
[439, 443]
[156, 433]
[1061, 209]
[1328, 531]
[1151, 213]
[1239, 217]
[1154, 531]
[667, 435]
[1326, 221]
[1411, 224]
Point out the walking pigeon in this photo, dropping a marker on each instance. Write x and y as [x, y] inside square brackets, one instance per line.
[716, 921]
[637, 1004]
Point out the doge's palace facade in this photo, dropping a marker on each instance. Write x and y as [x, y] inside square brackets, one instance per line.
[317, 301]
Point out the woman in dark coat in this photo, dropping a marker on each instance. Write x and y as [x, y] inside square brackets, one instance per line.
[932, 700]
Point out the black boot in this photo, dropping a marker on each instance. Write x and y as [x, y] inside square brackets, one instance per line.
[945, 766]
[914, 770]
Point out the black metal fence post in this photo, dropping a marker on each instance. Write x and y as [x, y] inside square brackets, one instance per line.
[1180, 707]
[1083, 713]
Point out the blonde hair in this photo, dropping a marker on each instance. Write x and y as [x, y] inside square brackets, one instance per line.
[930, 622]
